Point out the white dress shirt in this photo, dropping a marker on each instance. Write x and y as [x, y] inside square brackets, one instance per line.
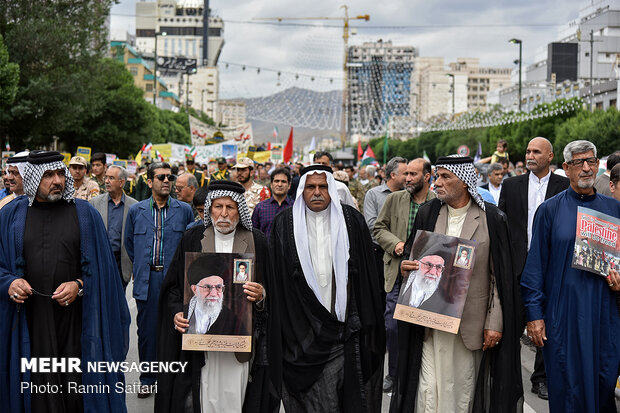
[495, 192]
[536, 190]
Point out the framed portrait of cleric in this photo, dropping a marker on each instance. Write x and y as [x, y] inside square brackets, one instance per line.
[219, 314]
[434, 295]
[462, 257]
[243, 270]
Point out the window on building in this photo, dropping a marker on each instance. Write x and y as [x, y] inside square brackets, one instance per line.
[134, 71]
[149, 87]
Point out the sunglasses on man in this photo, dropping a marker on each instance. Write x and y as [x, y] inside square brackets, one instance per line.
[162, 177]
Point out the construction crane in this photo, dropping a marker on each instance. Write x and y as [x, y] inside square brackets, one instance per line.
[345, 36]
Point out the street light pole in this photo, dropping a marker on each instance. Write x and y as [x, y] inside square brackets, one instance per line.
[453, 87]
[155, 69]
[520, 63]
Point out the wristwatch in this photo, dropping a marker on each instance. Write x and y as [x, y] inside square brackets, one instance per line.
[80, 288]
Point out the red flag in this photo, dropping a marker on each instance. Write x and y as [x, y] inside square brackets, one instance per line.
[288, 149]
[268, 146]
[360, 151]
[369, 152]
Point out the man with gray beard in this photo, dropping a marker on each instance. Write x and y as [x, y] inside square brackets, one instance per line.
[219, 381]
[422, 283]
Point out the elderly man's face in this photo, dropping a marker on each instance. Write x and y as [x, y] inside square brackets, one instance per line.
[242, 267]
[431, 267]
[209, 290]
[495, 177]
[224, 214]
[52, 186]
[15, 180]
[538, 155]
[184, 192]
[112, 182]
[448, 186]
[582, 176]
[316, 193]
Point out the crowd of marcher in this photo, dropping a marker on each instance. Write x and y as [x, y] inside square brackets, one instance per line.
[332, 249]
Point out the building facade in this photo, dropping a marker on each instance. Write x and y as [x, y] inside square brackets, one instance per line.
[379, 85]
[231, 112]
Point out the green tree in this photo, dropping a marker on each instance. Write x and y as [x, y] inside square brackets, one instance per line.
[9, 79]
[57, 45]
[599, 127]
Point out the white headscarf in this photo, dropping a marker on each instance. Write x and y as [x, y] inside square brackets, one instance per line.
[339, 241]
[20, 165]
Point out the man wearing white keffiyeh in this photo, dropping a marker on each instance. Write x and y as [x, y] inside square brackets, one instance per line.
[332, 321]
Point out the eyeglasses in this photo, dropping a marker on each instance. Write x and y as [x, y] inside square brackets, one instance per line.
[162, 177]
[218, 287]
[579, 162]
[179, 188]
[429, 266]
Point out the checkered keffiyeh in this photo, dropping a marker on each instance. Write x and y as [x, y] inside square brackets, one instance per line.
[33, 174]
[244, 213]
[463, 168]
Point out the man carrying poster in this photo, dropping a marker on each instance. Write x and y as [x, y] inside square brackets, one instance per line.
[440, 371]
[216, 381]
[572, 314]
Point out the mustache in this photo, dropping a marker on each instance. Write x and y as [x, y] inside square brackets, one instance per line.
[586, 174]
[317, 198]
[56, 187]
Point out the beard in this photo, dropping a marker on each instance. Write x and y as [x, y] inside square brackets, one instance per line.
[53, 197]
[586, 180]
[210, 308]
[423, 283]
[414, 187]
[227, 225]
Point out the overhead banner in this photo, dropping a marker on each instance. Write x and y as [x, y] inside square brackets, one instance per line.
[174, 152]
[176, 64]
[242, 134]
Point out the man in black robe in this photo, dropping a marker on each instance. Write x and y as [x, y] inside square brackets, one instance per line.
[332, 326]
[61, 294]
[227, 219]
[491, 341]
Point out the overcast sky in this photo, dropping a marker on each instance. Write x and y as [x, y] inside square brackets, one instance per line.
[447, 28]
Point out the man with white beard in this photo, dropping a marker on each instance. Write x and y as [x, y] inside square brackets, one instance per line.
[219, 381]
[422, 283]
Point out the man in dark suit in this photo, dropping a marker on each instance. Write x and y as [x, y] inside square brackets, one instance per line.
[519, 199]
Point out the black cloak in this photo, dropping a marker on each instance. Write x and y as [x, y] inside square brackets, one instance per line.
[264, 384]
[499, 384]
[310, 332]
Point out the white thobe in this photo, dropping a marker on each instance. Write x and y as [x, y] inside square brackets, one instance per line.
[320, 245]
[223, 380]
[449, 369]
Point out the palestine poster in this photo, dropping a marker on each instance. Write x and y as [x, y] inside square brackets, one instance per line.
[596, 242]
[434, 295]
[219, 313]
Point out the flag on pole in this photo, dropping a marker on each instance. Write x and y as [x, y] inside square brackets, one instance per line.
[7, 146]
[275, 131]
[138, 158]
[268, 146]
[369, 157]
[386, 146]
[148, 147]
[425, 156]
[478, 154]
[159, 156]
[360, 151]
[288, 149]
[193, 151]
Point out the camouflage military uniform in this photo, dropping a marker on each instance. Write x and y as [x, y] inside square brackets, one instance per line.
[101, 184]
[255, 194]
[358, 192]
[88, 190]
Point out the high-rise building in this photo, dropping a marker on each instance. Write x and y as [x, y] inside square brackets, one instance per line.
[379, 76]
[461, 87]
[231, 112]
[177, 28]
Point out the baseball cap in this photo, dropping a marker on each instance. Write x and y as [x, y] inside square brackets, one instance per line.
[244, 163]
[79, 160]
